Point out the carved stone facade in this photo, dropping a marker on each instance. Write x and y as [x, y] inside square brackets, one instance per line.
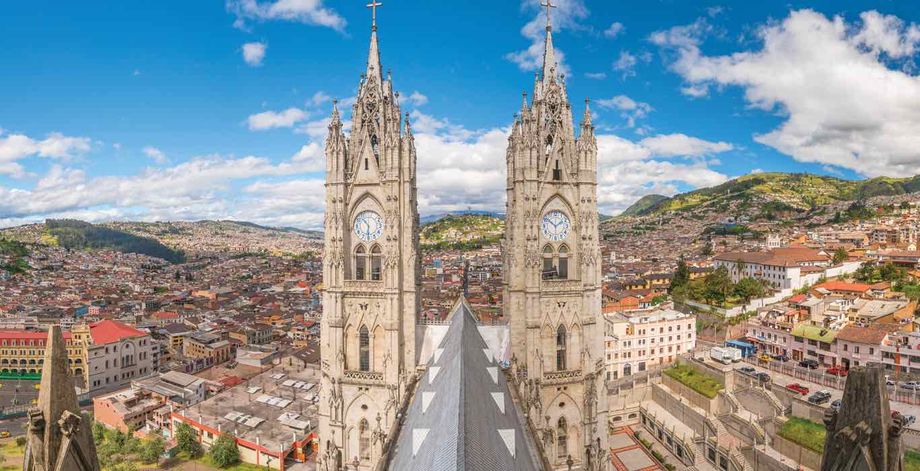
[370, 272]
[552, 292]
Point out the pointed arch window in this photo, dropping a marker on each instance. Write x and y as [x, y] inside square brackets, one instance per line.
[563, 262]
[364, 349]
[360, 263]
[376, 263]
[562, 439]
[549, 270]
[364, 440]
[561, 341]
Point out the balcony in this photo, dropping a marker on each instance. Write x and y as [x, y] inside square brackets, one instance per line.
[363, 377]
[561, 377]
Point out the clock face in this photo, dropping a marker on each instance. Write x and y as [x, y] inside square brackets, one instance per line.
[368, 226]
[555, 225]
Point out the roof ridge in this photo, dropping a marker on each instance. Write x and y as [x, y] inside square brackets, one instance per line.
[461, 406]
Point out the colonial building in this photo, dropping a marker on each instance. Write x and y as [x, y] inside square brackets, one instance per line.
[370, 273]
[552, 292]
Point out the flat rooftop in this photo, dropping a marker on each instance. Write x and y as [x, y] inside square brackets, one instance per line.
[273, 409]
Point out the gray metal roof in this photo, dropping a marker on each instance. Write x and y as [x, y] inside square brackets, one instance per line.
[462, 415]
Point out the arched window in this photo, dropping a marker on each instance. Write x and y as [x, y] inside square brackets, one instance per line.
[549, 271]
[364, 440]
[360, 263]
[563, 262]
[375, 263]
[557, 172]
[562, 439]
[560, 348]
[364, 349]
[549, 144]
[375, 145]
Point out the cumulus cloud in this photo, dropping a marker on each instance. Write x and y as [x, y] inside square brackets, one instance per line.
[311, 12]
[276, 119]
[615, 29]
[253, 53]
[626, 64]
[675, 145]
[567, 16]
[629, 109]
[16, 147]
[156, 154]
[417, 99]
[596, 75]
[844, 90]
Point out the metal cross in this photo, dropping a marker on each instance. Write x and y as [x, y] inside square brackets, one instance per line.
[549, 5]
[373, 6]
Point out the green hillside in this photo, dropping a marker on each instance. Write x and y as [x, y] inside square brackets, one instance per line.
[783, 191]
[79, 235]
[462, 232]
[645, 205]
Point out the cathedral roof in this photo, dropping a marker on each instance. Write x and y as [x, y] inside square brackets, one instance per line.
[462, 415]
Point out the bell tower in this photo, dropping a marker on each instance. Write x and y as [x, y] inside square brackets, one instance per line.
[552, 262]
[370, 273]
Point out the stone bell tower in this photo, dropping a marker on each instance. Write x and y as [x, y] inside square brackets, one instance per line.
[552, 261]
[370, 273]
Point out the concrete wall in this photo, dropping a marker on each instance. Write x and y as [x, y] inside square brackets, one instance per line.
[711, 406]
[796, 453]
[681, 410]
[764, 462]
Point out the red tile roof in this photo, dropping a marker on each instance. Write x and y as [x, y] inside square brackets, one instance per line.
[26, 335]
[864, 335]
[165, 315]
[798, 298]
[112, 331]
[844, 286]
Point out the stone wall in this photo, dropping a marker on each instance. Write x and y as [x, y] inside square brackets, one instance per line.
[712, 406]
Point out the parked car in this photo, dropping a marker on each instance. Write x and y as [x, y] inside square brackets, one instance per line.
[764, 358]
[810, 364]
[763, 377]
[819, 397]
[836, 404]
[911, 385]
[889, 381]
[837, 371]
[781, 357]
[796, 387]
[748, 370]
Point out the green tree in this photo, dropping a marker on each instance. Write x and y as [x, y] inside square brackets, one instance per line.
[98, 432]
[152, 449]
[187, 440]
[867, 273]
[681, 275]
[707, 250]
[840, 255]
[718, 286]
[224, 452]
[749, 288]
[892, 273]
[905, 205]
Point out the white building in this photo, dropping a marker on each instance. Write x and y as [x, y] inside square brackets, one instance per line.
[117, 354]
[785, 268]
[638, 340]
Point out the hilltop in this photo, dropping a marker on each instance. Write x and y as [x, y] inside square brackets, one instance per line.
[170, 241]
[777, 193]
[462, 231]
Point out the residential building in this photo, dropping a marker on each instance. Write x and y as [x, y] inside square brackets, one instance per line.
[638, 340]
[211, 348]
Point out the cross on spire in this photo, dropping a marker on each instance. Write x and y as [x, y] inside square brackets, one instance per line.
[373, 6]
[549, 6]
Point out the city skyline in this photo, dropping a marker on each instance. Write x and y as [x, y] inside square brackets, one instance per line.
[223, 116]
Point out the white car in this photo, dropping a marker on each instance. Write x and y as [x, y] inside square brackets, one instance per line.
[911, 385]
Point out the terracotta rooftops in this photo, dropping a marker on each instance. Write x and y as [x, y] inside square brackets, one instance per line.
[866, 335]
[783, 257]
[109, 331]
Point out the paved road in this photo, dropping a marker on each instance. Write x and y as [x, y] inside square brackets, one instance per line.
[816, 380]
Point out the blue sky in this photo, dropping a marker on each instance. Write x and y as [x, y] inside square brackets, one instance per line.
[209, 109]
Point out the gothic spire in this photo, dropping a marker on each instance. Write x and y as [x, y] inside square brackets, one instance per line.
[586, 121]
[549, 55]
[373, 56]
[336, 118]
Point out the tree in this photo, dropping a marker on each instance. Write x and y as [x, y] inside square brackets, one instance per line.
[892, 273]
[749, 288]
[718, 286]
[707, 250]
[840, 255]
[681, 275]
[224, 452]
[152, 449]
[187, 440]
[905, 205]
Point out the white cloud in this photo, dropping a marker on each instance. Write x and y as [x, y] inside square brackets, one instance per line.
[596, 75]
[417, 99]
[842, 102]
[253, 53]
[311, 156]
[320, 98]
[626, 64]
[15, 147]
[566, 17]
[156, 154]
[615, 29]
[630, 110]
[276, 119]
[312, 12]
[674, 145]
